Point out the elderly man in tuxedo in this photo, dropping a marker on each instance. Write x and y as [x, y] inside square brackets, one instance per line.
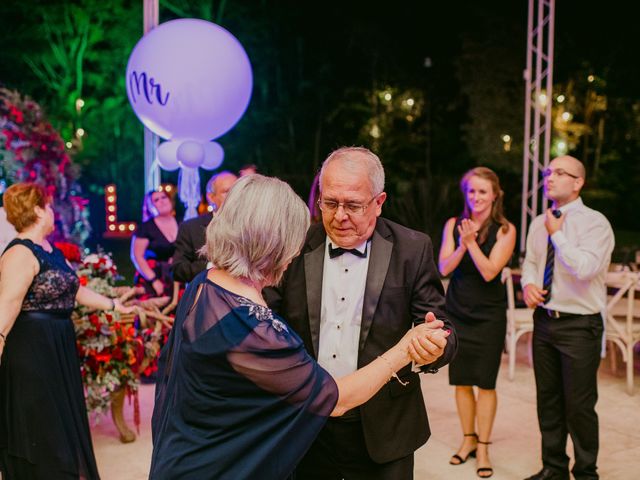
[187, 261]
[359, 284]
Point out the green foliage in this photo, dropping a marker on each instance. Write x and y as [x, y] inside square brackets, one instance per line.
[79, 50]
[317, 71]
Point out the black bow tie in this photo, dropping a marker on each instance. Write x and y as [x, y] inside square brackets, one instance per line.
[336, 252]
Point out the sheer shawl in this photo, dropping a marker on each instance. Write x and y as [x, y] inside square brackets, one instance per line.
[237, 394]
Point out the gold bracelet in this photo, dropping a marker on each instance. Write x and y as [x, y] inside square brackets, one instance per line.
[393, 373]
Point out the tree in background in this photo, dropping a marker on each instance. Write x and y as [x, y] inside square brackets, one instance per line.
[72, 57]
[315, 87]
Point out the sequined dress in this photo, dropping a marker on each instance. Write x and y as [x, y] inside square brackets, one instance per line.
[44, 430]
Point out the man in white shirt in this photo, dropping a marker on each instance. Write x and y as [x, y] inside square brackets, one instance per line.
[360, 282]
[563, 276]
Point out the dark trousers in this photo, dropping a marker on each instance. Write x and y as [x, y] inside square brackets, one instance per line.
[339, 452]
[566, 356]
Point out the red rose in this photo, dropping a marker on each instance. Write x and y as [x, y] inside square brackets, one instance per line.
[95, 320]
[103, 357]
[71, 251]
[117, 353]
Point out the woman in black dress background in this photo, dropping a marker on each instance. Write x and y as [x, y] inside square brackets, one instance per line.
[476, 247]
[153, 244]
[44, 430]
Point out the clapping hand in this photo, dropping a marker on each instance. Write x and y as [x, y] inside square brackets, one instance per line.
[429, 340]
[468, 232]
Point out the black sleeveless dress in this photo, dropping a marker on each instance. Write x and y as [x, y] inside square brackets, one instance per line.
[478, 310]
[44, 430]
[158, 254]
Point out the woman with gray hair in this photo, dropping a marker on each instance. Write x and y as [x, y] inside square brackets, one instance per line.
[237, 394]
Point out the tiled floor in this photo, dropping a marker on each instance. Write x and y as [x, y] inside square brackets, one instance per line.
[516, 442]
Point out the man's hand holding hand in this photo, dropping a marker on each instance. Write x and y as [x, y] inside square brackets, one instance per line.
[430, 344]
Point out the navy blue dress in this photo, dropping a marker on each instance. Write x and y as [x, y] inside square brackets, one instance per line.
[237, 395]
[44, 430]
[478, 310]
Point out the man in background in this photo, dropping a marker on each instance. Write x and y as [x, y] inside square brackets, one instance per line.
[563, 276]
[187, 262]
[248, 169]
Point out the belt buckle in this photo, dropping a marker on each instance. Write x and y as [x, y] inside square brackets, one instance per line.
[553, 313]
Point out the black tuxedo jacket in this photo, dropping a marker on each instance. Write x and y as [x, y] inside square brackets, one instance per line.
[187, 263]
[402, 286]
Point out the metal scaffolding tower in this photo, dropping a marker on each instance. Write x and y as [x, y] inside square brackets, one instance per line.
[537, 118]
[151, 169]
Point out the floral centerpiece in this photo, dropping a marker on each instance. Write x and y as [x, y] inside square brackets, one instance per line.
[115, 350]
[111, 351]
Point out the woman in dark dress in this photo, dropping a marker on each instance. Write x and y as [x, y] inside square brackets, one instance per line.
[237, 395]
[153, 244]
[44, 430]
[476, 247]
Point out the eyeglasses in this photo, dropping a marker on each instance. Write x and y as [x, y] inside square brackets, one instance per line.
[350, 208]
[547, 172]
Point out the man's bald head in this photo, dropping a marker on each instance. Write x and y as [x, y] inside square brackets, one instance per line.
[577, 167]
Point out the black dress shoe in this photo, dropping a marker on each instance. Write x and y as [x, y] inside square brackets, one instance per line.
[548, 474]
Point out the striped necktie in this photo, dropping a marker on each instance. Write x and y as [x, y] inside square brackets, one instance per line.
[548, 266]
[548, 269]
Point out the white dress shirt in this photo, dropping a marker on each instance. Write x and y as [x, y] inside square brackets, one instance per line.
[343, 284]
[583, 249]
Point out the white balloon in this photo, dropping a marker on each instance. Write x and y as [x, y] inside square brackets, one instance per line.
[190, 154]
[213, 156]
[167, 155]
[189, 78]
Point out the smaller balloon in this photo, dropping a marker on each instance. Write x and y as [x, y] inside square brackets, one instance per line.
[213, 156]
[190, 153]
[167, 155]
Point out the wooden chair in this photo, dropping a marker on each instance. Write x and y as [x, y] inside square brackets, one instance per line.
[623, 317]
[519, 322]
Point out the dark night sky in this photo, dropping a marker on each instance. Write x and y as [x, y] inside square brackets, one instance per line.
[601, 33]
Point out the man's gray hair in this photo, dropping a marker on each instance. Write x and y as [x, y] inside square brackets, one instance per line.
[356, 157]
[211, 184]
[260, 228]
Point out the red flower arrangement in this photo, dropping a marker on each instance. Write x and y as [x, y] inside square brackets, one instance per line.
[71, 251]
[113, 353]
[32, 150]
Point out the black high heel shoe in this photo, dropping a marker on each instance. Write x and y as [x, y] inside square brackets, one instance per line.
[485, 471]
[472, 453]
